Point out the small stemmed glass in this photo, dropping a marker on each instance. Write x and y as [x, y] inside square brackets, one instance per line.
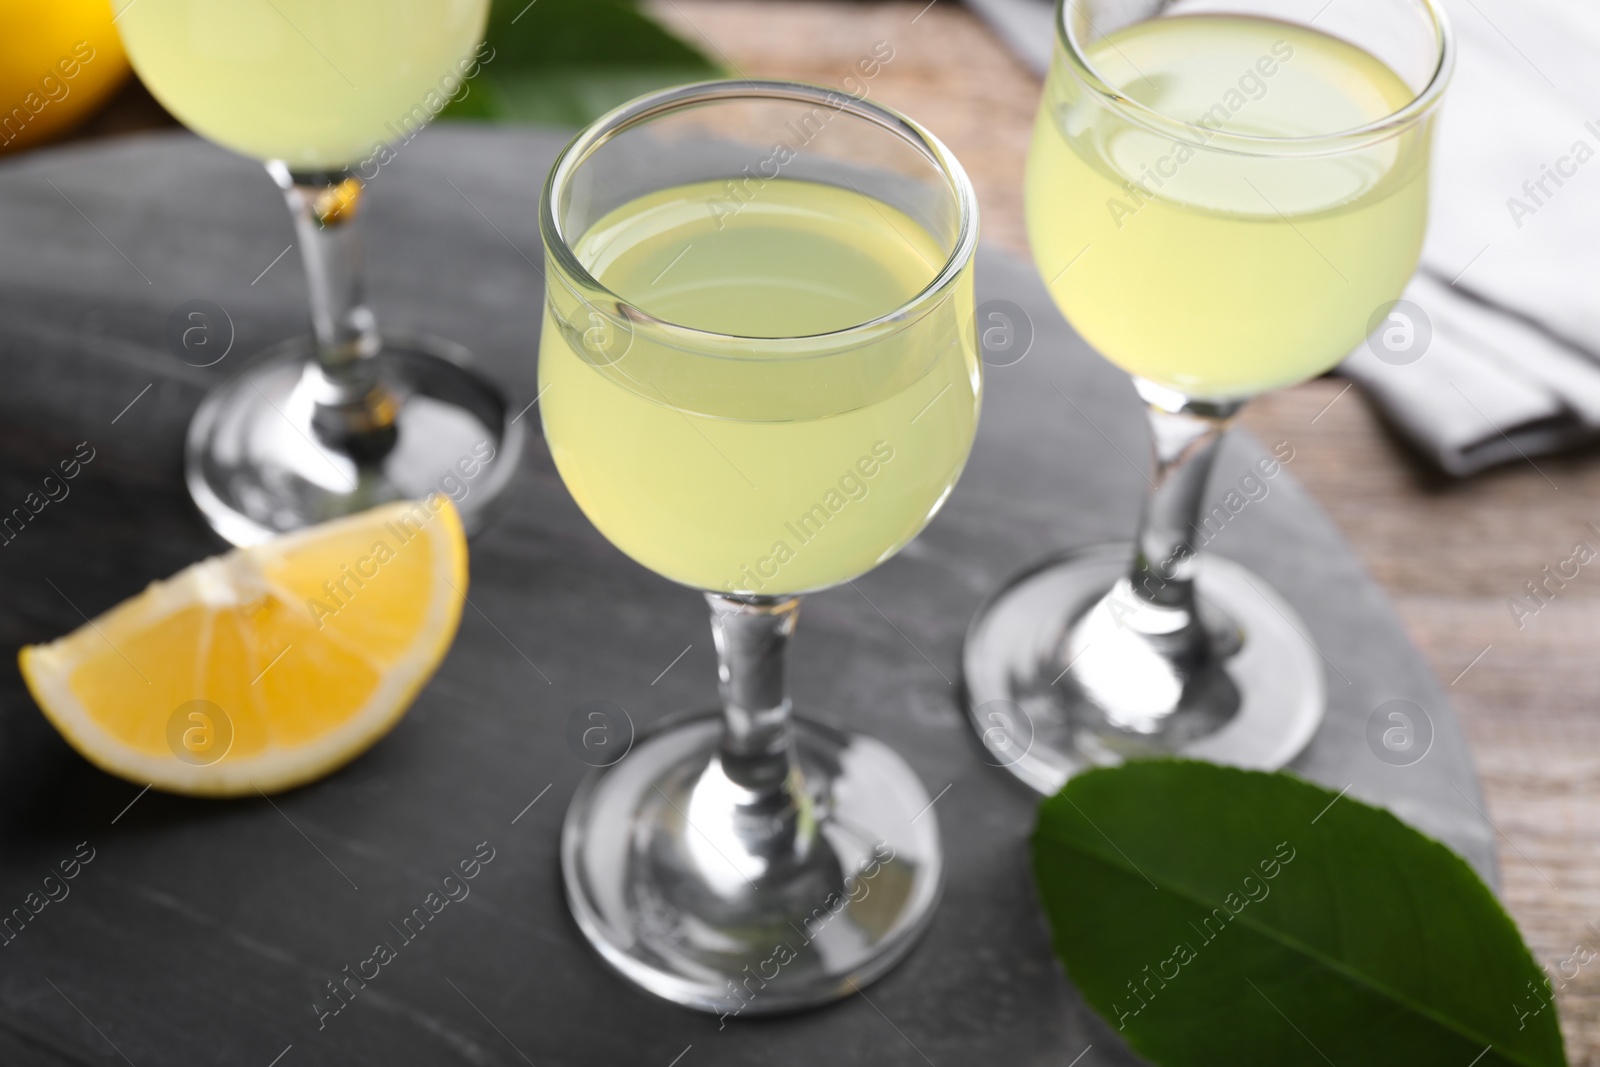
[349, 418]
[1223, 197]
[760, 379]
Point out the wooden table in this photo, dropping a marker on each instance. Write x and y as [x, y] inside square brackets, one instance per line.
[1450, 553]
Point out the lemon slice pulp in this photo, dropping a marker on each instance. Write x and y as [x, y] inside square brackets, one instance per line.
[268, 666]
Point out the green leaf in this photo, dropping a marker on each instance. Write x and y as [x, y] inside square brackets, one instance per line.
[1219, 916]
[565, 62]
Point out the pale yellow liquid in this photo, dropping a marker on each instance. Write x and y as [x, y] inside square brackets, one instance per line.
[1225, 275]
[319, 84]
[750, 470]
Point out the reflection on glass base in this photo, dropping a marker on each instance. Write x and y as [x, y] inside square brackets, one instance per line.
[1257, 707]
[666, 878]
[256, 467]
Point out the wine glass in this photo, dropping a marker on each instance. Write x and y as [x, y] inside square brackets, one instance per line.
[326, 95]
[1224, 197]
[760, 378]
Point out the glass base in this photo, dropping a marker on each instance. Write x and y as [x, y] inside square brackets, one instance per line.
[668, 879]
[1256, 706]
[256, 467]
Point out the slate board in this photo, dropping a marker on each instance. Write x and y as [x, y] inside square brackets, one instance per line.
[202, 932]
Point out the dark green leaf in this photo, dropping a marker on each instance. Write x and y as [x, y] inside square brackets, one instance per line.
[564, 62]
[1218, 916]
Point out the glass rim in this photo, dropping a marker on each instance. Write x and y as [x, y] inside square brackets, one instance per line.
[1419, 107]
[704, 93]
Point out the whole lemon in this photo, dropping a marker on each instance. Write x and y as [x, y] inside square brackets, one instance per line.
[59, 61]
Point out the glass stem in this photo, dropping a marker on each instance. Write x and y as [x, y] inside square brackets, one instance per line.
[354, 412]
[773, 819]
[1186, 434]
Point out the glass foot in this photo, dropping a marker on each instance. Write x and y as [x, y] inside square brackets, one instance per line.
[674, 879]
[1054, 684]
[256, 467]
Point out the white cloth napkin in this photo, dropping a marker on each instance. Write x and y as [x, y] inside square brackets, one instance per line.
[1509, 273]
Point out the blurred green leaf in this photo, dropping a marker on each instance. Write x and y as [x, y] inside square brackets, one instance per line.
[1219, 916]
[565, 62]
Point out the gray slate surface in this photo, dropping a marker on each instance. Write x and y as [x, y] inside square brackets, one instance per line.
[202, 932]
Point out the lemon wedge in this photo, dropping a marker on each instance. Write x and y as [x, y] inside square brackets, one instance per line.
[266, 667]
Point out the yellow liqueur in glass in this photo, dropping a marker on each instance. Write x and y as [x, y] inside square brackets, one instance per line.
[1221, 202]
[1215, 273]
[759, 377]
[324, 93]
[315, 84]
[753, 471]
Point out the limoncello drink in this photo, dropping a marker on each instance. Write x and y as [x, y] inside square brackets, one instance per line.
[319, 84]
[1218, 271]
[769, 458]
